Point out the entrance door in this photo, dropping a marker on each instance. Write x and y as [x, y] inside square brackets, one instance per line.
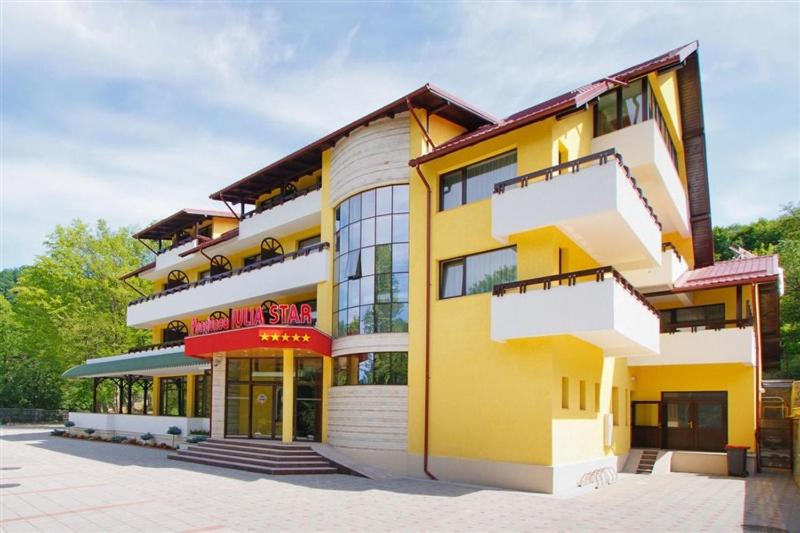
[254, 398]
[262, 411]
[695, 420]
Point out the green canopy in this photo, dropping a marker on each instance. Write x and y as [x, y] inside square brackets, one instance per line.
[142, 364]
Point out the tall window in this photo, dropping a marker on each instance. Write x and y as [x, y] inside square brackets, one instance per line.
[384, 368]
[475, 182]
[202, 394]
[173, 397]
[477, 273]
[621, 107]
[371, 263]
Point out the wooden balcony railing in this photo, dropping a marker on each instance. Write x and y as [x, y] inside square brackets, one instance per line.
[573, 278]
[600, 158]
[281, 199]
[699, 325]
[302, 252]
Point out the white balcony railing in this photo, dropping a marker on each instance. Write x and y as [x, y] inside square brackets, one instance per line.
[285, 274]
[167, 259]
[597, 305]
[697, 346]
[643, 149]
[300, 211]
[593, 200]
[663, 277]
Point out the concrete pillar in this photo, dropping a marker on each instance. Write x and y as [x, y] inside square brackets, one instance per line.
[288, 395]
[190, 392]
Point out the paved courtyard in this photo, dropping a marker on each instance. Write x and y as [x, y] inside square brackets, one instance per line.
[55, 484]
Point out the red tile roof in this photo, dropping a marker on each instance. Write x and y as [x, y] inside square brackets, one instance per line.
[734, 272]
[566, 101]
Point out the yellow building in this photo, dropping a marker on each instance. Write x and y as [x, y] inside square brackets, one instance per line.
[525, 302]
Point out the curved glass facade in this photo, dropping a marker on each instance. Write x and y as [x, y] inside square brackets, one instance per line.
[370, 266]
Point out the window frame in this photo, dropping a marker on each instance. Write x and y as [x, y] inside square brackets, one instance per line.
[350, 358]
[617, 91]
[673, 313]
[463, 260]
[463, 178]
[181, 383]
[301, 242]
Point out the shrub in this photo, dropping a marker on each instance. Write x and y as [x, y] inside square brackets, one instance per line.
[146, 437]
[69, 424]
[58, 432]
[200, 432]
[119, 439]
[196, 438]
[174, 431]
[88, 431]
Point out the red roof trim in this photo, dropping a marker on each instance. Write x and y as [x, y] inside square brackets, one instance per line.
[145, 268]
[568, 100]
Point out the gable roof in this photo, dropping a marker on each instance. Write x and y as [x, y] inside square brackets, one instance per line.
[309, 158]
[167, 227]
[564, 102]
[759, 269]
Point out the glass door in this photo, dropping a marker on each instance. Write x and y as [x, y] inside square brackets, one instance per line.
[696, 420]
[262, 411]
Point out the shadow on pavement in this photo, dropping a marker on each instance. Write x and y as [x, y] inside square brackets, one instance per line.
[143, 457]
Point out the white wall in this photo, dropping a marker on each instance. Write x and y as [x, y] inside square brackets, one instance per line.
[730, 345]
[138, 424]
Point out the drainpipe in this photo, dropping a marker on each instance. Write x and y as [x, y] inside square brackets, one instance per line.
[757, 333]
[427, 319]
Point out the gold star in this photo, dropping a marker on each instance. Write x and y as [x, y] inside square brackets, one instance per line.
[265, 336]
[295, 337]
[275, 336]
[306, 338]
[285, 337]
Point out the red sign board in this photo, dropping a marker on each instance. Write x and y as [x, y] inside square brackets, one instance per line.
[245, 317]
[248, 338]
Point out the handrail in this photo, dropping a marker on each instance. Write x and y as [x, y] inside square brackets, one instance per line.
[572, 279]
[253, 266]
[281, 199]
[176, 244]
[669, 246]
[575, 166]
[149, 347]
[694, 325]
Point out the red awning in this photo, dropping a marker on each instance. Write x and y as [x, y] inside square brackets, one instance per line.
[270, 337]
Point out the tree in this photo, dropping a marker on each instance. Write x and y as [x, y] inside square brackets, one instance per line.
[70, 306]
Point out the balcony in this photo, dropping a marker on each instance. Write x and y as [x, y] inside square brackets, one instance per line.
[659, 278]
[644, 151]
[286, 274]
[598, 306]
[286, 214]
[593, 200]
[166, 260]
[699, 343]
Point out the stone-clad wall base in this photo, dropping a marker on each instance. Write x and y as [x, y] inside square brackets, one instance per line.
[368, 417]
[218, 397]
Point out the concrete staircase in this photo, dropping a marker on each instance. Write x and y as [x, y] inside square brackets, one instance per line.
[264, 457]
[647, 461]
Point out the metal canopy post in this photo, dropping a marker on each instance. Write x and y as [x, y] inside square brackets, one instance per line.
[95, 383]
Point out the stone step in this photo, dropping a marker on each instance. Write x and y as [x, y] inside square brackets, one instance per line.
[249, 450]
[254, 454]
[255, 449]
[256, 468]
[257, 443]
[281, 463]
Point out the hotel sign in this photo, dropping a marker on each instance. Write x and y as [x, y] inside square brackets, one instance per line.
[245, 317]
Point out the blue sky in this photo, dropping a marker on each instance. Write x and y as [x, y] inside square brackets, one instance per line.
[130, 111]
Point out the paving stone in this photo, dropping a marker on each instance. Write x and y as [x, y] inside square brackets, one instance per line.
[68, 485]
